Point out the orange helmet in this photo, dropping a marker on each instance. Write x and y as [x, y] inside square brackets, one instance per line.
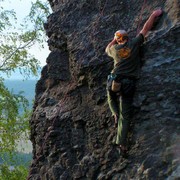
[121, 35]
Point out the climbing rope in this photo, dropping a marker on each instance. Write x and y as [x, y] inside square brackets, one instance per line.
[140, 19]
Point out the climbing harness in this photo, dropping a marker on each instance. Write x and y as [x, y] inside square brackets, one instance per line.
[110, 79]
[113, 85]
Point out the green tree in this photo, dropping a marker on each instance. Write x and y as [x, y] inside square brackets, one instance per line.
[18, 173]
[15, 41]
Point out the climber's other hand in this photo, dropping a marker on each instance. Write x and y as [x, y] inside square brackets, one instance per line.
[157, 12]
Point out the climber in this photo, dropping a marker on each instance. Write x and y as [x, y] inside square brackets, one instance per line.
[122, 80]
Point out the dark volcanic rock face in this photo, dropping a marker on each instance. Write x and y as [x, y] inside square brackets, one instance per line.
[71, 126]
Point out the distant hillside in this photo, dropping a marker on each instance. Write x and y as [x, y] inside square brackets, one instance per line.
[27, 86]
[19, 158]
[18, 76]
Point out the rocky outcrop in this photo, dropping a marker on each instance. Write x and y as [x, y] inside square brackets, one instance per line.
[71, 126]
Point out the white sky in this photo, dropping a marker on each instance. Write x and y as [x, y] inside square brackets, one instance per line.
[22, 8]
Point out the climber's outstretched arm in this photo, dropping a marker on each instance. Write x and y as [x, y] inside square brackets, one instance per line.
[149, 23]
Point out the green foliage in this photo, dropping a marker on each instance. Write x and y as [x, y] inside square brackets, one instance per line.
[5, 18]
[14, 54]
[16, 40]
[16, 173]
[38, 14]
[12, 125]
[14, 166]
